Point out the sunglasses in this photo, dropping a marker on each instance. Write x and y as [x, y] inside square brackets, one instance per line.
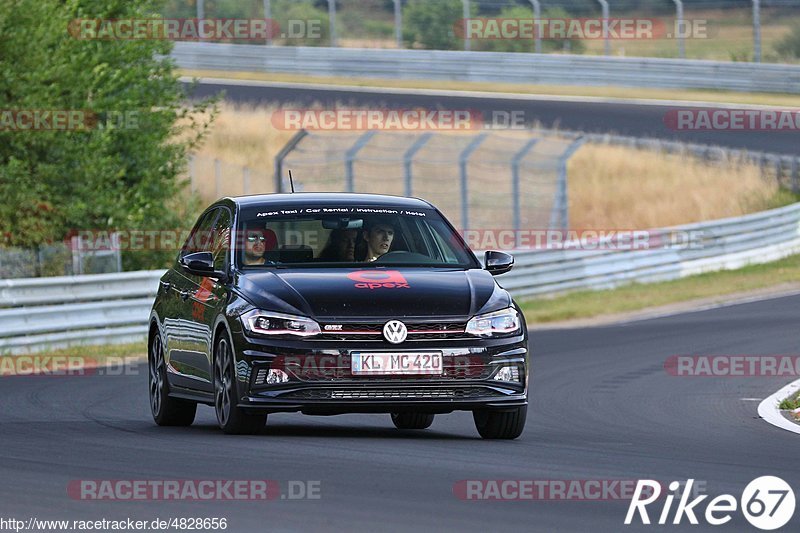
[254, 238]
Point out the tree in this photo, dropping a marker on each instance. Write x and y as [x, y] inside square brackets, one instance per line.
[121, 172]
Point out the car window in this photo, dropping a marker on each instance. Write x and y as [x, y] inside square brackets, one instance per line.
[200, 239]
[334, 235]
[221, 239]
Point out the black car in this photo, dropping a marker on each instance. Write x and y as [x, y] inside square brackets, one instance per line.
[335, 303]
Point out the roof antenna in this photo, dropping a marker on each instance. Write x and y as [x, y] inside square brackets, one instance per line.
[291, 181]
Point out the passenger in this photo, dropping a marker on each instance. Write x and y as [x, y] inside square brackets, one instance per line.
[378, 234]
[341, 246]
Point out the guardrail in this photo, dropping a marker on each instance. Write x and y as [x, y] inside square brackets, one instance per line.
[716, 245]
[503, 67]
[42, 313]
[108, 308]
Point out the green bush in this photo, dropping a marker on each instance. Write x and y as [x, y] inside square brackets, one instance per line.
[309, 24]
[115, 175]
[788, 47]
[432, 24]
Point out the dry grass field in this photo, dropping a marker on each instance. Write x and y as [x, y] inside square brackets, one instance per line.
[609, 186]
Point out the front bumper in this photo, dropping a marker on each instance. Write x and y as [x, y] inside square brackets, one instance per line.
[321, 382]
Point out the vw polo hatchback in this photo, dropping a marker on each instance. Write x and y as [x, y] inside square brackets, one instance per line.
[335, 303]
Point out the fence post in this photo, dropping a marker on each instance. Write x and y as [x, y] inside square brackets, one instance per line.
[268, 20]
[217, 176]
[465, 13]
[192, 171]
[757, 31]
[350, 157]
[332, 21]
[282, 155]
[201, 10]
[408, 159]
[795, 184]
[398, 23]
[245, 180]
[537, 35]
[516, 211]
[462, 166]
[678, 29]
[607, 42]
[561, 205]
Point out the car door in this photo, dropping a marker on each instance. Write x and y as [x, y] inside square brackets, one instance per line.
[209, 295]
[187, 338]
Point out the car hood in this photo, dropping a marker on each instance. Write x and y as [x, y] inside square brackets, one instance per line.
[384, 293]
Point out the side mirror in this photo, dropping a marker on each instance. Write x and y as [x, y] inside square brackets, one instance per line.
[498, 262]
[200, 264]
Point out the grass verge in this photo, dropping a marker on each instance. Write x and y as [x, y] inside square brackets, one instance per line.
[587, 304]
[628, 93]
[67, 360]
[790, 403]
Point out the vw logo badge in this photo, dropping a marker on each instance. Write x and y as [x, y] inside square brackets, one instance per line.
[395, 331]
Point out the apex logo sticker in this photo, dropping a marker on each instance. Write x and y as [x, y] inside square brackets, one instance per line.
[379, 279]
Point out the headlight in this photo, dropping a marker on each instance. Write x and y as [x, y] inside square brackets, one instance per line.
[500, 322]
[267, 323]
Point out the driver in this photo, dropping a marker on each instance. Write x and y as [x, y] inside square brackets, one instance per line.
[378, 235]
[257, 242]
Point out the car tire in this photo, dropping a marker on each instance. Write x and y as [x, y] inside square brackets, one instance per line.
[232, 419]
[496, 424]
[412, 420]
[166, 411]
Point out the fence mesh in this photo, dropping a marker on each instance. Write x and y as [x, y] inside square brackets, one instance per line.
[725, 30]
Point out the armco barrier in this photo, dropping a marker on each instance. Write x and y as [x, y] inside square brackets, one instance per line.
[107, 308]
[507, 67]
[41, 313]
[718, 245]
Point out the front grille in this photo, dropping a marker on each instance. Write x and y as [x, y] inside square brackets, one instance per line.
[390, 394]
[416, 331]
[454, 368]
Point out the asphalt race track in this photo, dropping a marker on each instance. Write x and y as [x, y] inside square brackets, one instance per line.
[602, 407]
[594, 117]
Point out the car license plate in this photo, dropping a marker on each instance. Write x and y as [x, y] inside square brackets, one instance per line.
[416, 363]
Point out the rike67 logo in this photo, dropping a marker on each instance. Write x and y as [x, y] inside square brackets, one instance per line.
[767, 502]
[379, 279]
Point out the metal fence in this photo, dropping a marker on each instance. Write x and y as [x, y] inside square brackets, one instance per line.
[115, 307]
[495, 67]
[59, 259]
[733, 30]
[483, 179]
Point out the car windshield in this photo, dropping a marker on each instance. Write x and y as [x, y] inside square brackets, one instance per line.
[335, 236]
